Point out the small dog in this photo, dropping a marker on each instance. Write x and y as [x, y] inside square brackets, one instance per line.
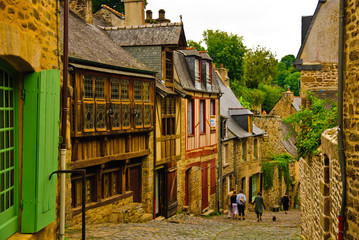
[274, 218]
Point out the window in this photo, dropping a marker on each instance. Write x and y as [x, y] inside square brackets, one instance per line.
[109, 102]
[197, 73]
[190, 117]
[225, 153]
[169, 67]
[255, 150]
[209, 76]
[244, 152]
[168, 116]
[213, 115]
[224, 128]
[202, 106]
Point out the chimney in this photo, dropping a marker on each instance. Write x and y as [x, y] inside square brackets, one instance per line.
[82, 8]
[134, 12]
[223, 74]
[161, 17]
[148, 15]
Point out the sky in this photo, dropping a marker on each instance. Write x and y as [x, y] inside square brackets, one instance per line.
[273, 24]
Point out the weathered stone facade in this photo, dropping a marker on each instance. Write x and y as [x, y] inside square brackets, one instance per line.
[351, 118]
[321, 190]
[29, 42]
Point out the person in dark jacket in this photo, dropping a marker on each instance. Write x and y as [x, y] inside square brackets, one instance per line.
[259, 205]
[234, 204]
[285, 202]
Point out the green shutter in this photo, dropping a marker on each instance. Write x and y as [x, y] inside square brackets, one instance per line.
[40, 149]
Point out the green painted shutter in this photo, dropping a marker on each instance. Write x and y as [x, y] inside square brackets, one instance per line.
[40, 149]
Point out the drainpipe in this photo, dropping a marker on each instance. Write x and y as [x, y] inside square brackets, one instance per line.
[154, 155]
[341, 155]
[64, 119]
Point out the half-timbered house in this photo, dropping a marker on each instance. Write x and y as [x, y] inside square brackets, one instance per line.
[112, 106]
[200, 107]
[154, 45]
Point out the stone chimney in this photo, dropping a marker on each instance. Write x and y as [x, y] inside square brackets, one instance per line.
[223, 74]
[82, 8]
[134, 12]
[161, 17]
[148, 15]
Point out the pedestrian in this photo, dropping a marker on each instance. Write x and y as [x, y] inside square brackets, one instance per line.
[229, 203]
[241, 201]
[285, 202]
[259, 205]
[234, 204]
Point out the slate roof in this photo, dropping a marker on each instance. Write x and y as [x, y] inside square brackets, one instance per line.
[288, 143]
[297, 103]
[148, 35]
[229, 101]
[88, 42]
[185, 77]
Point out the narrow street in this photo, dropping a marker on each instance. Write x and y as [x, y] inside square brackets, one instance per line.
[182, 226]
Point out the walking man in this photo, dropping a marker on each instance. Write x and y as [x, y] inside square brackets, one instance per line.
[241, 201]
[285, 202]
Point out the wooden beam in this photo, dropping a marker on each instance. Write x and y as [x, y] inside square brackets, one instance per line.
[102, 160]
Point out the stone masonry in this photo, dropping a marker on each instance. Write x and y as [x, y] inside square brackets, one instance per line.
[321, 190]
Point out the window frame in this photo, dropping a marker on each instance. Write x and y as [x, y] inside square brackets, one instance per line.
[202, 116]
[244, 151]
[190, 121]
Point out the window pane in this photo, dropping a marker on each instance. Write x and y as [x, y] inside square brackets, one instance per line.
[139, 116]
[116, 118]
[202, 116]
[212, 108]
[138, 90]
[125, 115]
[100, 87]
[100, 116]
[89, 116]
[190, 117]
[147, 115]
[88, 86]
[124, 89]
[115, 94]
[146, 91]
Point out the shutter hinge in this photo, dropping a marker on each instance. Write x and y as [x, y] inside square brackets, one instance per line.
[23, 94]
[21, 204]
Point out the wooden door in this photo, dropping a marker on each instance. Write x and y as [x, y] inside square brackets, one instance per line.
[204, 186]
[171, 189]
[134, 182]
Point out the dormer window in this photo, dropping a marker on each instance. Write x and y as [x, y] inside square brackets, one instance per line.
[197, 73]
[209, 75]
[169, 67]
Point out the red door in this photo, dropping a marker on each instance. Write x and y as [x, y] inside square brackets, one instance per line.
[204, 186]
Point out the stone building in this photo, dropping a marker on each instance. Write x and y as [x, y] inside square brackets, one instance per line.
[197, 174]
[29, 118]
[240, 146]
[111, 126]
[317, 59]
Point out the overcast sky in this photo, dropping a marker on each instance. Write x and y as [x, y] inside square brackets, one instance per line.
[274, 24]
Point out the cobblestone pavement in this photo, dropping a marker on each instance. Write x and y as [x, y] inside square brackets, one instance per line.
[182, 226]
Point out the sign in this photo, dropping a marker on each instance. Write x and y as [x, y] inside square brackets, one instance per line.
[213, 122]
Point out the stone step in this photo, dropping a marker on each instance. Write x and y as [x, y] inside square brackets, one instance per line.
[209, 212]
[160, 218]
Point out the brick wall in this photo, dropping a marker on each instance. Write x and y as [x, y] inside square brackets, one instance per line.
[351, 118]
[321, 190]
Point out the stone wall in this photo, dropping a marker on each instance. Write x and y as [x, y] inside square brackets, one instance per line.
[351, 119]
[326, 78]
[284, 107]
[320, 190]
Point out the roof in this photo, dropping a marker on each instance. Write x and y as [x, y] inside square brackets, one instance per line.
[162, 89]
[229, 101]
[239, 111]
[288, 141]
[185, 78]
[90, 43]
[148, 35]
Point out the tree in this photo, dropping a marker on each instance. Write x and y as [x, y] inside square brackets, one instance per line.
[226, 49]
[311, 123]
[292, 82]
[117, 5]
[288, 76]
[260, 67]
[272, 95]
[196, 45]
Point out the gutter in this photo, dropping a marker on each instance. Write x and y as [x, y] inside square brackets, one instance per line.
[341, 154]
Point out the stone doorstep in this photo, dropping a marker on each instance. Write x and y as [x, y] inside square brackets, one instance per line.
[160, 218]
[132, 212]
[208, 212]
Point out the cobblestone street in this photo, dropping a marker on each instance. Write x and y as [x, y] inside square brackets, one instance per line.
[181, 226]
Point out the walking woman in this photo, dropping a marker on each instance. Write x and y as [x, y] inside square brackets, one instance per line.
[234, 204]
[285, 202]
[259, 205]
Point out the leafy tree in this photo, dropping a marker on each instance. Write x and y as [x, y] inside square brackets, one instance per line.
[226, 49]
[288, 76]
[196, 45]
[117, 5]
[260, 67]
[272, 95]
[311, 123]
[287, 60]
[292, 82]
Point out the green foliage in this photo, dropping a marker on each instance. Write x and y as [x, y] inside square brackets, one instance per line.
[281, 161]
[254, 97]
[197, 45]
[260, 66]
[272, 95]
[117, 5]
[244, 103]
[287, 75]
[226, 49]
[311, 123]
